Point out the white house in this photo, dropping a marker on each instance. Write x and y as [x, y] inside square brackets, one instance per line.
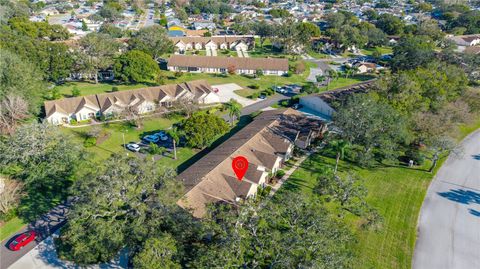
[146, 100]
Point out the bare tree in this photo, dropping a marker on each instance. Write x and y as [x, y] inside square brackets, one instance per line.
[132, 115]
[10, 194]
[187, 105]
[94, 131]
[13, 109]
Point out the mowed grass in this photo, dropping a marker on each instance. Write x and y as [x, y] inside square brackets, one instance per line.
[10, 227]
[116, 133]
[342, 82]
[396, 192]
[382, 50]
[88, 88]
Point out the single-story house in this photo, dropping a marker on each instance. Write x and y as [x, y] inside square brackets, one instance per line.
[213, 64]
[366, 67]
[322, 104]
[186, 43]
[466, 40]
[266, 143]
[145, 100]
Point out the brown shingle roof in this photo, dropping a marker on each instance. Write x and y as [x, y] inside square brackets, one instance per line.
[123, 98]
[261, 142]
[70, 105]
[226, 62]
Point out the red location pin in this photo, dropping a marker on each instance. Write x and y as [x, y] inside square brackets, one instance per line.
[240, 166]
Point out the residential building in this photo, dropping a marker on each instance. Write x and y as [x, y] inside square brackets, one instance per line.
[322, 104]
[266, 143]
[186, 43]
[212, 64]
[146, 100]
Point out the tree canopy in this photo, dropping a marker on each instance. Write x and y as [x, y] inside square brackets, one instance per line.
[152, 40]
[201, 129]
[136, 66]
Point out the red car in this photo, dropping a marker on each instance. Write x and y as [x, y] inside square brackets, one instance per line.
[22, 240]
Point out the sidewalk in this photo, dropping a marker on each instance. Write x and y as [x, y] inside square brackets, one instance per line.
[288, 173]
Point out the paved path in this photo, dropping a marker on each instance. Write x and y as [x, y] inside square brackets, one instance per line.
[449, 223]
[288, 173]
[45, 226]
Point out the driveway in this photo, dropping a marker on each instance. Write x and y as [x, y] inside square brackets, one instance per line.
[449, 223]
[46, 225]
[44, 256]
[226, 92]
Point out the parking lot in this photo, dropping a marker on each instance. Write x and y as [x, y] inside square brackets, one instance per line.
[226, 92]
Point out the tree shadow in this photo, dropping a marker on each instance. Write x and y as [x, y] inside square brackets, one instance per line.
[474, 212]
[462, 196]
[476, 157]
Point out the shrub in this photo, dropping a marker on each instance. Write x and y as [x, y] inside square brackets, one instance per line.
[285, 103]
[300, 67]
[254, 86]
[269, 91]
[280, 173]
[288, 74]
[75, 91]
[178, 74]
[114, 89]
[73, 122]
[415, 155]
[255, 95]
[90, 142]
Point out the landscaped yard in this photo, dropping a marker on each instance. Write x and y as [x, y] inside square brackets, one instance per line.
[382, 50]
[396, 192]
[87, 88]
[116, 133]
[10, 227]
[342, 82]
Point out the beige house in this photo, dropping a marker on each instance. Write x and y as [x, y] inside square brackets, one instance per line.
[186, 43]
[267, 143]
[145, 100]
[212, 64]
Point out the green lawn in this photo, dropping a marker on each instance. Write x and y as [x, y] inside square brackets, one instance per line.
[397, 193]
[116, 132]
[383, 50]
[87, 88]
[10, 227]
[342, 81]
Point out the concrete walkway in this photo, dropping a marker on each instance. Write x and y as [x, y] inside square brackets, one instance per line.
[288, 173]
[449, 223]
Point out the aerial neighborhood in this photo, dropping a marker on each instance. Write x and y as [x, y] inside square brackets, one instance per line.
[239, 134]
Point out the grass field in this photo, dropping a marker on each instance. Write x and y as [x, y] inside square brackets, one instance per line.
[396, 192]
[383, 50]
[10, 227]
[342, 82]
[117, 131]
[87, 88]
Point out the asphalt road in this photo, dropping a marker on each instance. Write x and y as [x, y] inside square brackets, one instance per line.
[44, 226]
[449, 224]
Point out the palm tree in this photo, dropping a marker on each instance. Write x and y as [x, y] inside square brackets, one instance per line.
[234, 109]
[340, 146]
[174, 134]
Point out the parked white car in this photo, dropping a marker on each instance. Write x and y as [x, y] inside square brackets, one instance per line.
[133, 147]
